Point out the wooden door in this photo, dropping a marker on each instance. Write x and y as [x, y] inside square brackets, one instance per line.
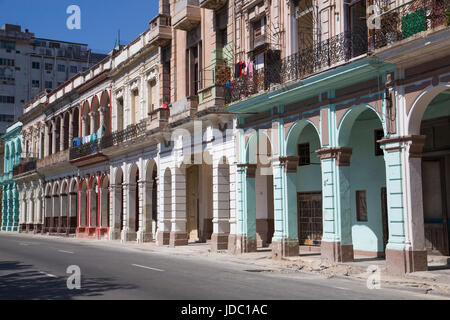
[192, 203]
[434, 206]
[309, 206]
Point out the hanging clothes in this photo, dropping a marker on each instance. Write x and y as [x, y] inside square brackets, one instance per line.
[250, 68]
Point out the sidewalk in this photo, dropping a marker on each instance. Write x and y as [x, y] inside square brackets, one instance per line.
[434, 281]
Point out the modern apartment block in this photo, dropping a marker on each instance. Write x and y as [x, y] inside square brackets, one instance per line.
[292, 125]
[30, 65]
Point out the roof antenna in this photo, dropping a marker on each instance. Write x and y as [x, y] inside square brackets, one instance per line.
[119, 39]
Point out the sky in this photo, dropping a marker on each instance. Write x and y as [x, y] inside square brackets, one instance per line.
[100, 20]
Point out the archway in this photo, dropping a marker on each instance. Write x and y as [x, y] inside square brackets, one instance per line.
[94, 205]
[95, 112]
[47, 208]
[62, 227]
[362, 184]
[132, 214]
[73, 207]
[435, 177]
[150, 202]
[259, 188]
[82, 206]
[105, 210]
[56, 218]
[106, 110]
[305, 200]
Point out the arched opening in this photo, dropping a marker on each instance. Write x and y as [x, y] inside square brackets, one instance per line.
[64, 207]
[86, 120]
[56, 218]
[362, 185]
[260, 187]
[133, 217]
[57, 135]
[93, 212]
[66, 131]
[120, 114]
[73, 207]
[50, 139]
[48, 209]
[435, 126]
[95, 110]
[149, 212]
[82, 207]
[106, 109]
[75, 124]
[104, 222]
[306, 181]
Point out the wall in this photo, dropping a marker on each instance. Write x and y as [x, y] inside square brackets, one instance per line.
[309, 177]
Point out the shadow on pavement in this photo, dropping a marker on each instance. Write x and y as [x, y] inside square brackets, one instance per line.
[20, 282]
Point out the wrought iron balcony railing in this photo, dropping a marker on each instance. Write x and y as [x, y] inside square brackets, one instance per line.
[409, 19]
[84, 150]
[131, 132]
[26, 165]
[314, 59]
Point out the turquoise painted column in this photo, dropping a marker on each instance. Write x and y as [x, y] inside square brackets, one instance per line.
[15, 209]
[9, 209]
[246, 238]
[285, 238]
[337, 238]
[4, 209]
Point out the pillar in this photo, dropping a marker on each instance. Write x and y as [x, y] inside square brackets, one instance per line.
[146, 198]
[285, 238]
[405, 251]
[337, 245]
[53, 137]
[246, 237]
[116, 210]
[130, 210]
[46, 141]
[221, 207]
[165, 210]
[178, 234]
[84, 125]
[72, 216]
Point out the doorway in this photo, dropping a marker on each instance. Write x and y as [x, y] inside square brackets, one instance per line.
[192, 201]
[310, 226]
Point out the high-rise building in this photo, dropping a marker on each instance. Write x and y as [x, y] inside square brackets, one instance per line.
[30, 65]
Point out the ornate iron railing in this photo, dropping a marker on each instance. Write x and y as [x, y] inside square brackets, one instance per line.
[308, 61]
[409, 19]
[24, 167]
[131, 132]
[84, 150]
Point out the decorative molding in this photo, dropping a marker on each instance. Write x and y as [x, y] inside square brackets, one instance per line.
[341, 154]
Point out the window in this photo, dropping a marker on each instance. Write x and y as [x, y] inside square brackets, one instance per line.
[222, 38]
[48, 67]
[8, 45]
[35, 65]
[7, 80]
[7, 62]
[35, 84]
[73, 69]
[379, 134]
[361, 205]
[48, 85]
[135, 107]
[54, 45]
[7, 99]
[6, 118]
[61, 68]
[304, 158]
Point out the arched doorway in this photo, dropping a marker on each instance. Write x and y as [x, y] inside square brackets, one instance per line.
[148, 228]
[82, 207]
[303, 141]
[132, 214]
[435, 126]
[73, 207]
[362, 184]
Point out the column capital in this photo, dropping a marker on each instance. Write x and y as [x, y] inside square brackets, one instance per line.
[341, 154]
[290, 163]
[413, 144]
[248, 168]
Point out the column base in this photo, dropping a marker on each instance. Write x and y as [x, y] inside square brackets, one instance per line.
[244, 244]
[163, 238]
[128, 236]
[219, 241]
[114, 235]
[336, 252]
[37, 228]
[232, 243]
[143, 236]
[178, 239]
[400, 262]
[285, 248]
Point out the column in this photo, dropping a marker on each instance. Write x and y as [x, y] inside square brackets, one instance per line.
[62, 135]
[84, 125]
[178, 234]
[246, 237]
[4, 209]
[145, 233]
[92, 196]
[71, 129]
[405, 251]
[73, 208]
[15, 226]
[46, 141]
[62, 227]
[285, 238]
[56, 214]
[221, 207]
[103, 111]
[116, 210]
[337, 245]
[165, 209]
[48, 214]
[93, 116]
[130, 210]
[38, 224]
[53, 137]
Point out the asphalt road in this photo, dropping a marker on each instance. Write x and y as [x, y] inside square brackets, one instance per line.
[35, 268]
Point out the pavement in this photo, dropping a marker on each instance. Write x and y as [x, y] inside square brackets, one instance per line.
[35, 267]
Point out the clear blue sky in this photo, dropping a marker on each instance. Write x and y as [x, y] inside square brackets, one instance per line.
[100, 19]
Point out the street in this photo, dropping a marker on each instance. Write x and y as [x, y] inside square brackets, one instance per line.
[35, 268]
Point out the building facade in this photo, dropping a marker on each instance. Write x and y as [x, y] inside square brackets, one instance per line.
[292, 125]
[30, 65]
[10, 198]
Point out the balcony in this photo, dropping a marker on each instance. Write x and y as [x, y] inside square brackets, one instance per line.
[54, 163]
[160, 30]
[315, 59]
[158, 119]
[183, 110]
[129, 134]
[25, 166]
[409, 19]
[260, 42]
[187, 15]
[86, 154]
[212, 4]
